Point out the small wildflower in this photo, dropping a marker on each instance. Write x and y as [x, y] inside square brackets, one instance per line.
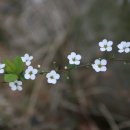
[30, 73]
[124, 47]
[100, 65]
[105, 45]
[52, 77]
[74, 59]
[27, 59]
[16, 85]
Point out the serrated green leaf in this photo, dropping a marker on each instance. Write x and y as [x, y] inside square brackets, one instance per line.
[10, 77]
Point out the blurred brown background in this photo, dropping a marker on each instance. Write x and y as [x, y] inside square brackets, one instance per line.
[49, 30]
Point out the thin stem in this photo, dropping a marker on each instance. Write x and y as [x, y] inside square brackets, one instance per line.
[87, 65]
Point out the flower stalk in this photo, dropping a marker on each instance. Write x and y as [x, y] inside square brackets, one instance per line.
[19, 69]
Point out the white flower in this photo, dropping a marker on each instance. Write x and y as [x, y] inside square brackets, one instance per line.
[124, 47]
[100, 65]
[52, 77]
[30, 73]
[105, 45]
[74, 59]
[27, 59]
[16, 85]
[2, 66]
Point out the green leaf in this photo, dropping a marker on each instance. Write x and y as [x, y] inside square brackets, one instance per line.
[14, 67]
[19, 65]
[10, 67]
[10, 77]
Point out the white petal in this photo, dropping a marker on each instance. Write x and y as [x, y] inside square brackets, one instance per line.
[105, 40]
[78, 57]
[1, 71]
[96, 68]
[48, 75]
[120, 46]
[19, 88]
[11, 84]
[73, 54]
[2, 66]
[27, 76]
[49, 80]
[127, 50]
[109, 48]
[110, 43]
[101, 44]
[31, 57]
[77, 62]
[57, 76]
[28, 63]
[26, 56]
[30, 68]
[121, 50]
[102, 49]
[128, 44]
[103, 68]
[19, 83]
[33, 77]
[123, 43]
[103, 62]
[52, 81]
[71, 62]
[69, 57]
[27, 71]
[35, 71]
[53, 72]
[97, 62]
[13, 88]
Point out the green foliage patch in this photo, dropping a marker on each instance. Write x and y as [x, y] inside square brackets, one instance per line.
[13, 69]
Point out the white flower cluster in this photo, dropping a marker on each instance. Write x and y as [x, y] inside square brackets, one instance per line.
[74, 59]
[30, 73]
[107, 46]
[99, 65]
